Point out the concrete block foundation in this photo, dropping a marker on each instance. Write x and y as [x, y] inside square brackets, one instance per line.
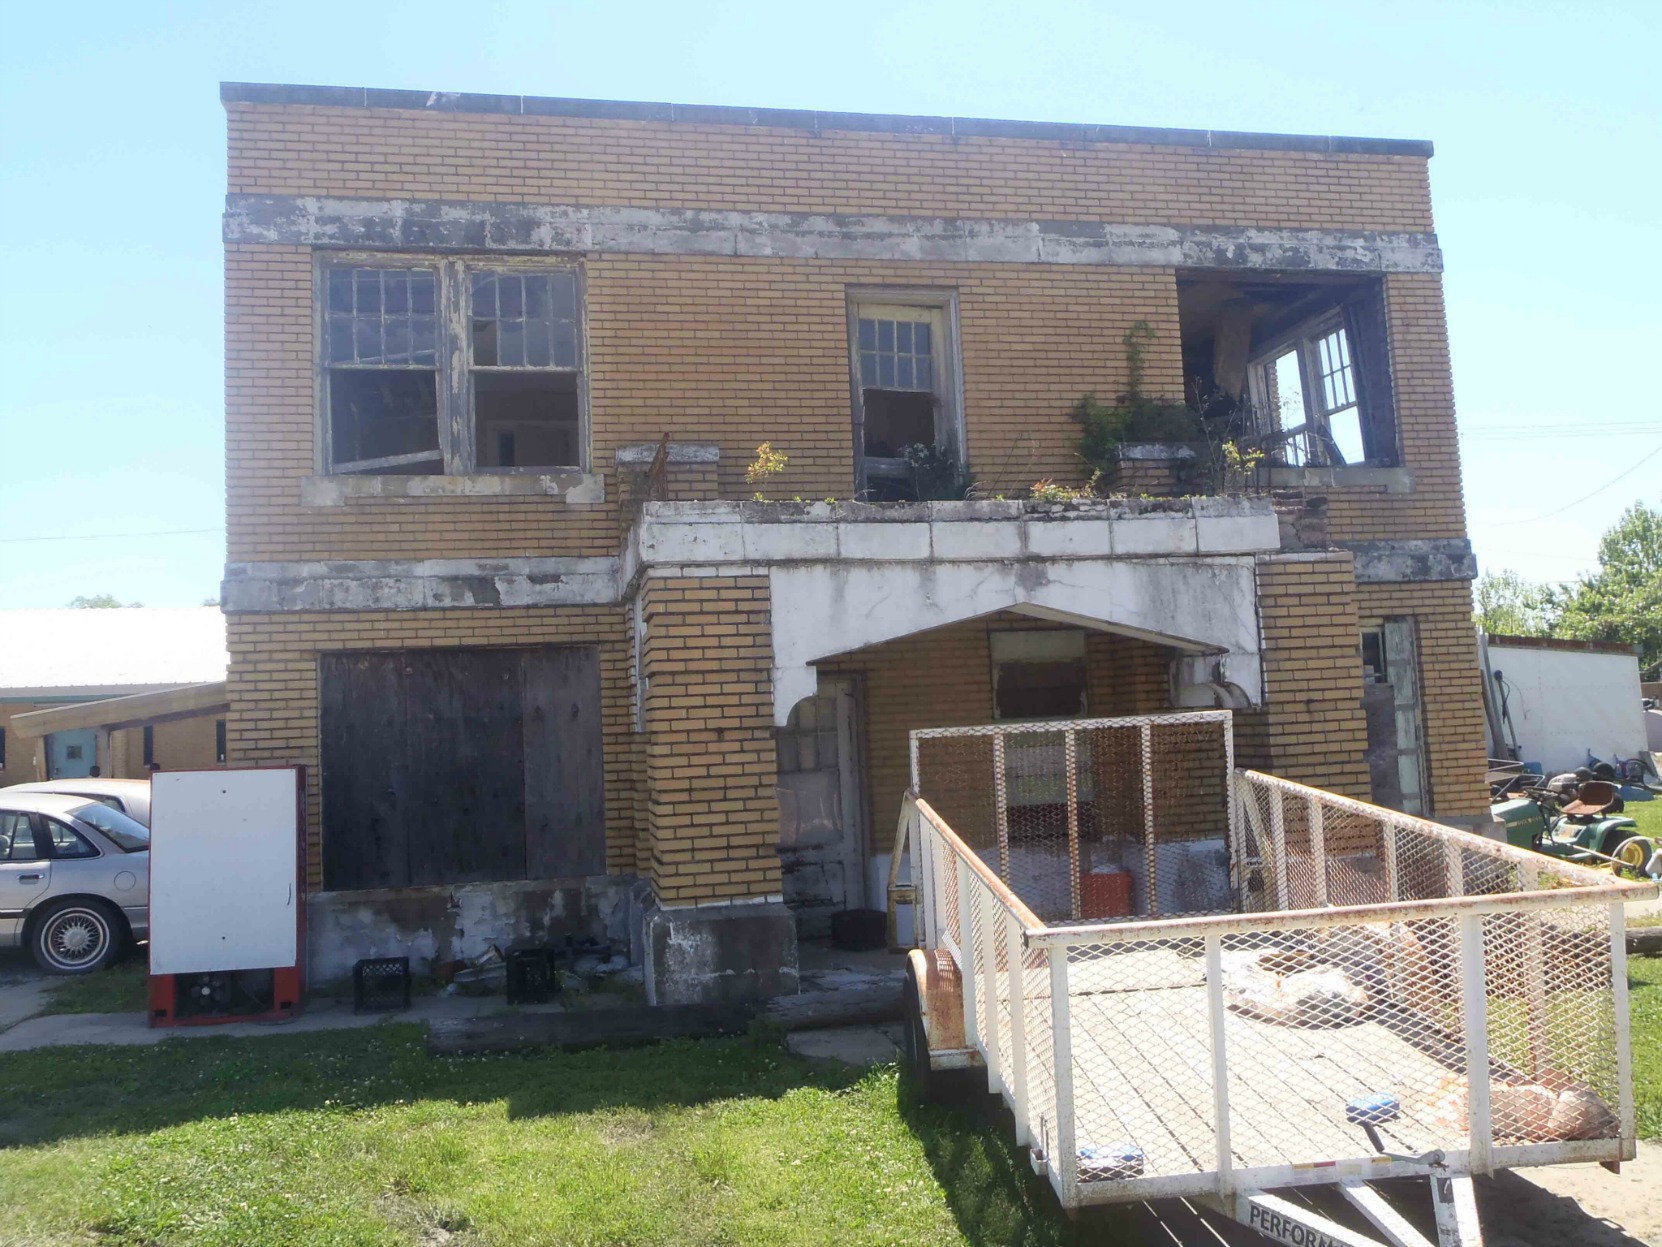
[720, 953]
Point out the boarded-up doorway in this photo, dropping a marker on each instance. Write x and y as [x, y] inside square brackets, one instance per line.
[461, 766]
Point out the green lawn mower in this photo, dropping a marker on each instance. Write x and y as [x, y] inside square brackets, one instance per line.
[1589, 828]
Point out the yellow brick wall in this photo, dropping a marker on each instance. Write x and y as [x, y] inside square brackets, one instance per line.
[1451, 685]
[1424, 388]
[711, 768]
[731, 351]
[388, 153]
[1311, 728]
[180, 745]
[20, 750]
[273, 685]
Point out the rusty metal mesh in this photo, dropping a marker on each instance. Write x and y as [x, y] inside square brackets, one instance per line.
[1103, 819]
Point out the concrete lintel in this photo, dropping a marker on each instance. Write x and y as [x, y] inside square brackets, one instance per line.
[1391, 480]
[574, 488]
[285, 95]
[641, 454]
[410, 224]
[1398, 562]
[403, 584]
[1202, 606]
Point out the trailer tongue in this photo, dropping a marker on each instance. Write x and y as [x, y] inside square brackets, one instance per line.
[1281, 987]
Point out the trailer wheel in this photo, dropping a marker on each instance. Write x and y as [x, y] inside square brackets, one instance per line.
[1634, 853]
[932, 1005]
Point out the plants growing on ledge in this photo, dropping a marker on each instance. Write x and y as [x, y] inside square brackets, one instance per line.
[1218, 431]
[768, 464]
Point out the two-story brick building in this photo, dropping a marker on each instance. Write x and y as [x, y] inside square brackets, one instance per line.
[496, 368]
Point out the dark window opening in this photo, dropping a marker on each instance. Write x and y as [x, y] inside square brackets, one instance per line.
[1040, 690]
[72, 752]
[896, 420]
[527, 419]
[2, 748]
[67, 842]
[219, 739]
[1300, 364]
[384, 420]
[381, 350]
[149, 745]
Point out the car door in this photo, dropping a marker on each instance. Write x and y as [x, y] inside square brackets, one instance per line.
[25, 871]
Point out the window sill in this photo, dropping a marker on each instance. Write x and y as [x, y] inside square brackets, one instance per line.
[574, 488]
[1392, 480]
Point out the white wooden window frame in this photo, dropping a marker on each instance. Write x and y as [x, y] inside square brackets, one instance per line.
[457, 428]
[1312, 434]
[948, 387]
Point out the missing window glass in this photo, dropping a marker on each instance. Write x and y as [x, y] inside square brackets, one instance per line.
[384, 420]
[896, 419]
[527, 419]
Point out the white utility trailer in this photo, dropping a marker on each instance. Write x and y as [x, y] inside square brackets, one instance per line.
[1188, 980]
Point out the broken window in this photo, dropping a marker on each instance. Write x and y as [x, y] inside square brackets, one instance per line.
[1304, 360]
[906, 438]
[525, 379]
[495, 385]
[381, 351]
[1038, 675]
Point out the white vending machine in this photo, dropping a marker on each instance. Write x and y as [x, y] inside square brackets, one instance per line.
[227, 872]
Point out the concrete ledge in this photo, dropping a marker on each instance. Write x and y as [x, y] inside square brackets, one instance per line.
[428, 224]
[720, 954]
[640, 455]
[418, 584]
[1402, 562]
[574, 488]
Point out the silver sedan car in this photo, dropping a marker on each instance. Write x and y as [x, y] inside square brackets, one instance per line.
[130, 796]
[74, 879]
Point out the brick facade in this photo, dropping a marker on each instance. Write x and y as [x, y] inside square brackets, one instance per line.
[733, 350]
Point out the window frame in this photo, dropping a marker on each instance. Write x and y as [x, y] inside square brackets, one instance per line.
[1315, 431]
[948, 371]
[454, 367]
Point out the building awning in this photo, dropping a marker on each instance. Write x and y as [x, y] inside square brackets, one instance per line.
[115, 713]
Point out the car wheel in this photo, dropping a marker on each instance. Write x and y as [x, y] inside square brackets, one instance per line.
[75, 937]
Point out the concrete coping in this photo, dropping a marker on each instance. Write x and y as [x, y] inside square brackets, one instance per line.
[975, 511]
[1156, 451]
[811, 120]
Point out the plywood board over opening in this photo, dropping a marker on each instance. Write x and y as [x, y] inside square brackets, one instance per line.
[461, 766]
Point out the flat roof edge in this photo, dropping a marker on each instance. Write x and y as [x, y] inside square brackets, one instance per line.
[808, 119]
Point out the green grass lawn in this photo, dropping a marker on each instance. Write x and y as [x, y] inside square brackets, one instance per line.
[362, 1137]
[1644, 978]
[118, 988]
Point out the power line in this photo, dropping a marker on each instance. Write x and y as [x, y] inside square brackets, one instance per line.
[1585, 497]
[169, 532]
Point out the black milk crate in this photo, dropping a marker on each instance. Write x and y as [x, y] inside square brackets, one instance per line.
[532, 977]
[381, 985]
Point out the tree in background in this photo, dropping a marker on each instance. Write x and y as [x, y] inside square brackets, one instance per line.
[100, 601]
[1508, 605]
[1622, 601]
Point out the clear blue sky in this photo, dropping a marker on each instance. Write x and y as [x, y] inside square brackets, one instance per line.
[1547, 120]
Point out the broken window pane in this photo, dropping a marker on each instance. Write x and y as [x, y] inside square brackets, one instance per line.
[377, 414]
[527, 419]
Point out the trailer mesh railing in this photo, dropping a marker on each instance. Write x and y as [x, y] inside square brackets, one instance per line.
[1351, 963]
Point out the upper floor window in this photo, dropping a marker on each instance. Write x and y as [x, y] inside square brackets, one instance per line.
[452, 366]
[907, 431]
[1300, 362]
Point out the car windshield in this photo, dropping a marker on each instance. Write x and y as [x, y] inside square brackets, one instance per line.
[128, 834]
